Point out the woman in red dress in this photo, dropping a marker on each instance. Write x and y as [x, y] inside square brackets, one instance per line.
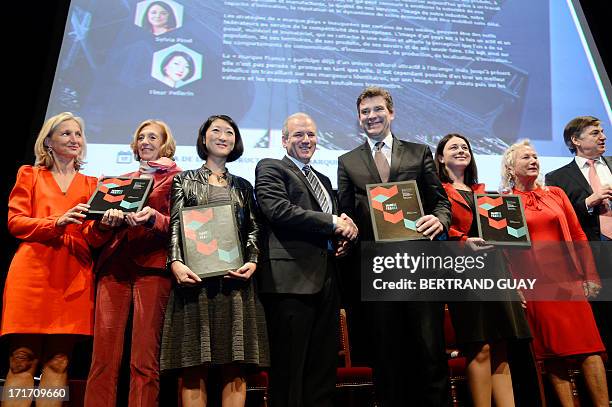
[132, 272]
[561, 329]
[483, 329]
[48, 296]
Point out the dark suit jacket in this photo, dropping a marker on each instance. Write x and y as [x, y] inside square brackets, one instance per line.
[409, 161]
[574, 184]
[297, 230]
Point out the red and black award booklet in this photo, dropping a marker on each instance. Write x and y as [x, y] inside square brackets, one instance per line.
[126, 194]
[395, 207]
[501, 220]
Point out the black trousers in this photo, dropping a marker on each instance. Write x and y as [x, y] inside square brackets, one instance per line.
[602, 305]
[303, 331]
[602, 311]
[410, 363]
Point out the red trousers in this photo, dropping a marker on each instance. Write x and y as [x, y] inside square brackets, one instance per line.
[121, 284]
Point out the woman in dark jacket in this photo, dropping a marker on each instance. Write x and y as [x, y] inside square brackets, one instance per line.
[217, 321]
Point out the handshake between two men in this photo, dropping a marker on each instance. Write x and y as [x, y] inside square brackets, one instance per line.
[346, 232]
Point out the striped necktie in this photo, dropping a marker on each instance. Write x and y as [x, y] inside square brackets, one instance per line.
[317, 188]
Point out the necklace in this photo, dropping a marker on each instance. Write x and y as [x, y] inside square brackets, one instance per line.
[221, 176]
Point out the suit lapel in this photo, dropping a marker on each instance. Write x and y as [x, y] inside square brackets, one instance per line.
[396, 158]
[366, 157]
[608, 161]
[291, 165]
[575, 173]
[457, 197]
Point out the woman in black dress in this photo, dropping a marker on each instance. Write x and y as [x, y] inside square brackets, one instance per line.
[483, 329]
[219, 321]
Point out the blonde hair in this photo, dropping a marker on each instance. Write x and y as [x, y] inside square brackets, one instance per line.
[508, 160]
[168, 147]
[44, 156]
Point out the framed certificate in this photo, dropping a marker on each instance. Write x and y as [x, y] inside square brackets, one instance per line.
[395, 207]
[126, 194]
[211, 245]
[501, 219]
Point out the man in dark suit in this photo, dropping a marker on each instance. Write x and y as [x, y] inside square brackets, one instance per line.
[407, 339]
[298, 282]
[587, 181]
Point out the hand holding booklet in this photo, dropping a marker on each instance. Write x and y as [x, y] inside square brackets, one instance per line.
[125, 194]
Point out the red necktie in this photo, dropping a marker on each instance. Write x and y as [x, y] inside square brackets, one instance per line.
[605, 214]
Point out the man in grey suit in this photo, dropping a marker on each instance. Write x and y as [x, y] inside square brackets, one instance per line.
[587, 181]
[298, 281]
[407, 339]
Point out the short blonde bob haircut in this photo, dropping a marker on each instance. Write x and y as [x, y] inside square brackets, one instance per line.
[507, 166]
[168, 147]
[44, 157]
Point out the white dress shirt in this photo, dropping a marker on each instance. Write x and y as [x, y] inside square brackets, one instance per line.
[603, 172]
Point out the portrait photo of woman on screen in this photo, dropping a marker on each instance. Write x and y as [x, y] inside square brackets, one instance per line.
[159, 17]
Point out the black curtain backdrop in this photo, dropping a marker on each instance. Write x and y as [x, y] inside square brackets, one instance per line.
[33, 38]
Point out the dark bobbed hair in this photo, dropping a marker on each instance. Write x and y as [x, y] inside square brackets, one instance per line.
[171, 17]
[373, 91]
[185, 55]
[471, 172]
[201, 142]
[575, 127]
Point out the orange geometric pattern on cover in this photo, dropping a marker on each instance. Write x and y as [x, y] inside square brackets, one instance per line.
[116, 182]
[493, 202]
[498, 224]
[387, 192]
[190, 234]
[207, 249]
[393, 217]
[198, 216]
[113, 198]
